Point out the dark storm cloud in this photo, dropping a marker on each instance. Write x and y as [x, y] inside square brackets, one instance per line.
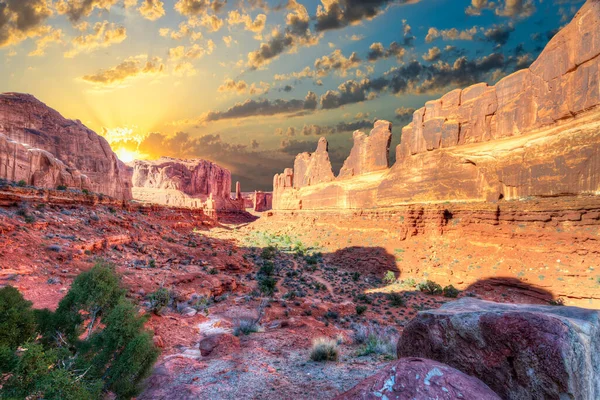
[263, 107]
[404, 114]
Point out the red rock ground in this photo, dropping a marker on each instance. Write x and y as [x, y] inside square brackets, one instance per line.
[46, 244]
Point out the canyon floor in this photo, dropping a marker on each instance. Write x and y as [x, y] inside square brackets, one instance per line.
[325, 266]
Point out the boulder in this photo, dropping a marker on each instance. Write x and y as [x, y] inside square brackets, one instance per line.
[419, 379]
[219, 344]
[87, 160]
[520, 351]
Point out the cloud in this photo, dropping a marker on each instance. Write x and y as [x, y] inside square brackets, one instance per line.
[256, 26]
[337, 62]
[404, 114]
[242, 87]
[211, 22]
[152, 9]
[450, 34]
[433, 54]
[499, 34]
[295, 34]
[186, 29]
[132, 67]
[76, 9]
[336, 14]
[264, 107]
[22, 19]
[192, 52]
[53, 36]
[190, 8]
[504, 8]
[254, 144]
[377, 51]
[104, 34]
[184, 68]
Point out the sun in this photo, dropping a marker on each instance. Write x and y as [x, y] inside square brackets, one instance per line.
[126, 155]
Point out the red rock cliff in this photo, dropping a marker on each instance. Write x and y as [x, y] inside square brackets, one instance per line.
[183, 183]
[41, 147]
[535, 133]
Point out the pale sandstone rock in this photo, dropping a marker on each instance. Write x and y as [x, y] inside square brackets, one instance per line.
[370, 152]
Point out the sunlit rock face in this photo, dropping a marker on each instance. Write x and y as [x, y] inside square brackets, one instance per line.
[535, 133]
[183, 183]
[42, 148]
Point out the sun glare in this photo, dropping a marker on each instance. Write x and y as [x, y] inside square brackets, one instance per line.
[126, 155]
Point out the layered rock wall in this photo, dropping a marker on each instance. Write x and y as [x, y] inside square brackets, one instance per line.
[184, 183]
[50, 140]
[535, 133]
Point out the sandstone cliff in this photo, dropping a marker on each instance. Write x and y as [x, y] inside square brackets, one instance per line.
[184, 183]
[43, 148]
[535, 133]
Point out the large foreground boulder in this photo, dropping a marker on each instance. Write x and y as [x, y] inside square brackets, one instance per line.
[520, 351]
[419, 379]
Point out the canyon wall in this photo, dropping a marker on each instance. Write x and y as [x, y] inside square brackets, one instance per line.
[535, 133]
[41, 147]
[184, 183]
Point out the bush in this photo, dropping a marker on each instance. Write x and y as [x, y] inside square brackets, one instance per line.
[21, 183]
[557, 302]
[360, 309]
[267, 268]
[324, 349]
[389, 277]
[376, 339]
[30, 219]
[61, 187]
[355, 276]
[17, 323]
[313, 259]
[267, 285]
[152, 263]
[451, 291]
[268, 253]
[85, 191]
[429, 287]
[396, 300]
[245, 326]
[69, 355]
[159, 300]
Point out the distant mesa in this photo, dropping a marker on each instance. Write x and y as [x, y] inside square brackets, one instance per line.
[191, 183]
[42, 148]
[535, 133]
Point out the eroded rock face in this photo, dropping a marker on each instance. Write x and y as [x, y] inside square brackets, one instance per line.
[535, 133]
[313, 168]
[520, 351]
[87, 160]
[184, 183]
[419, 379]
[370, 152]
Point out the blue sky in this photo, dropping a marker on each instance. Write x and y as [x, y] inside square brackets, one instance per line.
[250, 83]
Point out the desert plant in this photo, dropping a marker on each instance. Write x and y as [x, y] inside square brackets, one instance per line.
[267, 285]
[324, 349]
[360, 309]
[375, 339]
[159, 300]
[355, 276]
[61, 187]
[396, 300]
[268, 253]
[430, 287]
[245, 326]
[451, 291]
[389, 277]
[557, 302]
[21, 183]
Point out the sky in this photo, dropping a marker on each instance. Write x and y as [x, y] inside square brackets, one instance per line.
[249, 84]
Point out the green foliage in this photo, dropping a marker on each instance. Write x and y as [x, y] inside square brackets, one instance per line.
[85, 191]
[324, 349]
[152, 263]
[375, 339]
[429, 287]
[396, 300]
[313, 259]
[17, 322]
[267, 268]
[61, 187]
[557, 302]
[451, 291]
[389, 277]
[115, 354]
[21, 183]
[30, 219]
[267, 285]
[268, 253]
[355, 276]
[360, 309]
[245, 326]
[159, 300]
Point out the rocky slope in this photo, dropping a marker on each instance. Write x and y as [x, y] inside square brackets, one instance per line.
[183, 183]
[535, 133]
[41, 147]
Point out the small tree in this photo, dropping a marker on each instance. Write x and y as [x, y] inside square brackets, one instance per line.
[389, 277]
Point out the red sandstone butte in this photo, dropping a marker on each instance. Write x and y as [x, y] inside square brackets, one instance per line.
[535, 133]
[184, 183]
[41, 147]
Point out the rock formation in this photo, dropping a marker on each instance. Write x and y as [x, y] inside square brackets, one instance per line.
[369, 153]
[520, 351]
[313, 168]
[262, 201]
[42, 148]
[184, 183]
[419, 378]
[535, 133]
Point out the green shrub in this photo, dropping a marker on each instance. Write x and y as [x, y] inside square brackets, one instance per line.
[245, 326]
[267, 268]
[360, 309]
[152, 263]
[313, 259]
[451, 291]
[17, 321]
[61, 187]
[375, 339]
[557, 302]
[30, 219]
[159, 300]
[85, 191]
[267, 285]
[21, 183]
[355, 276]
[324, 349]
[429, 287]
[396, 300]
[389, 277]
[268, 253]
